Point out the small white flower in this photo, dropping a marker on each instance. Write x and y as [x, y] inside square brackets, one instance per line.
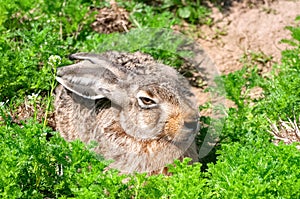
[54, 60]
[33, 96]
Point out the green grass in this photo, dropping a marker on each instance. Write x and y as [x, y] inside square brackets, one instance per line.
[256, 170]
[37, 163]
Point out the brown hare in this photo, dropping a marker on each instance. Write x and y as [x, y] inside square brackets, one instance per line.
[140, 112]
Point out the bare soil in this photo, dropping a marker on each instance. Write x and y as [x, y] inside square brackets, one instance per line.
[242, 28]
[248, 26]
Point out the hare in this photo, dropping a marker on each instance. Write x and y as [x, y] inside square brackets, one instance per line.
[140, 112]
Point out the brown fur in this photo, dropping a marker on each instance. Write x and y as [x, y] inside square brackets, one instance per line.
[138, 139]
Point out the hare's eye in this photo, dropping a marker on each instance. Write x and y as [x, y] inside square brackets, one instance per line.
[147, 101]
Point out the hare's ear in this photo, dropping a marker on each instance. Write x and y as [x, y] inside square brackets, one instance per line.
[92, 78]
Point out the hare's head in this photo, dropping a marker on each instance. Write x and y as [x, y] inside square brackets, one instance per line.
[153, 100]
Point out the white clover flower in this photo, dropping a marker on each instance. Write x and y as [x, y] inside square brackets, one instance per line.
[54, 60]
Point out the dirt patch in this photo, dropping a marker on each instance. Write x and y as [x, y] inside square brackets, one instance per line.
[113, 19]
[246, 33]
[248, 27]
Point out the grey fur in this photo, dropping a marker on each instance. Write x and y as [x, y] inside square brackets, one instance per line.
[141, 112]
